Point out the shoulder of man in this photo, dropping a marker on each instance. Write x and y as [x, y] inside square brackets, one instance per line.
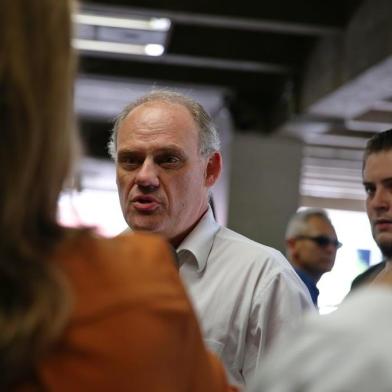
[252, 251]
[367, 276]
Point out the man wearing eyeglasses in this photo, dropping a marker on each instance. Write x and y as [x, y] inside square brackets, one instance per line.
[311, 246]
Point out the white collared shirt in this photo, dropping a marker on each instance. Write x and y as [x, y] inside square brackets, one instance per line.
[244, 293]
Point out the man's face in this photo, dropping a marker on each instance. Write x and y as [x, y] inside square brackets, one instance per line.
[310, 256]
[377, 180]
[162, 179]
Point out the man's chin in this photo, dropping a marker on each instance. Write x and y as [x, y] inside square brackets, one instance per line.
[384, 242]
[146, 224]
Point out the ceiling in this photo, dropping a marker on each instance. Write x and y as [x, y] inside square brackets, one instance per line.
[320, 71]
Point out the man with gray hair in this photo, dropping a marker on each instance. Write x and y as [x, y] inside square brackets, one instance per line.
[167, 158]
[311, 246]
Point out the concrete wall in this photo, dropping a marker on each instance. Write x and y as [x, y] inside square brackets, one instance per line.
[264, 186]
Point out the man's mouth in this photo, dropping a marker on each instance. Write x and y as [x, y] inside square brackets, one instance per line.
[145, 203]
[383, 224]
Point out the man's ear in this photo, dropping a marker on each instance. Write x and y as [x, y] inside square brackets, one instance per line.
[214, 168]
[290, 244]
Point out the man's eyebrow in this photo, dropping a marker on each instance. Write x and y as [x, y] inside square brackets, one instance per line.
[387, 180]
[169, 149]
[127, 151]
[172, 149]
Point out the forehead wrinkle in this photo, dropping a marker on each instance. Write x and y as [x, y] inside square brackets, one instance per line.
[146, 127]
[170, 148]
[158, 115]
[151, 140]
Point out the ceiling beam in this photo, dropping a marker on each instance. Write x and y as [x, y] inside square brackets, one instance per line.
[199, 62]
[346, 77]
[249, 24]
[385, 106]
[223, 21]
[356, 65]
[358, 95]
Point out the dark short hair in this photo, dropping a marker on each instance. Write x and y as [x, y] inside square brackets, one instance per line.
[380, 142]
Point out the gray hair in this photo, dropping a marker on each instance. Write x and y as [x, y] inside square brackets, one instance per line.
[208, 136]
[298, 223]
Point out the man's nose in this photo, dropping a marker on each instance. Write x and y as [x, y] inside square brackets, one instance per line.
[147, 175]
[381, 199]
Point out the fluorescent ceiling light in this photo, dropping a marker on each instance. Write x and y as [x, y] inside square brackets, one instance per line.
[120, 33]
[116, 47]
[154, 50]
[153, 24]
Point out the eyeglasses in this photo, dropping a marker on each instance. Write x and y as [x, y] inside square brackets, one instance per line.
[321, 240]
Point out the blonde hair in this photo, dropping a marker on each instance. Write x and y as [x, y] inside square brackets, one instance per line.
[36, 74]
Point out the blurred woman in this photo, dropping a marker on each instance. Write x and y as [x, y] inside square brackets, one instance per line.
[77, 312]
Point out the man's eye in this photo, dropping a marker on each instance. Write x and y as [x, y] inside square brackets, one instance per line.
[369, 190]
[129, 162]
[169, 161]
[172, 160]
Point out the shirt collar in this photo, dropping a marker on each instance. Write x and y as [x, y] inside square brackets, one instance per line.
[199, 241]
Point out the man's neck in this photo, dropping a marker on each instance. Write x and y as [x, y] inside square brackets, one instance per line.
[388, 265]
[177, 240]
[384, 277]
[315, 276]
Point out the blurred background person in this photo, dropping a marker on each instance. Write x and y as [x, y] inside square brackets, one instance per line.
[348, 350]
[77, 312]
[311, 245]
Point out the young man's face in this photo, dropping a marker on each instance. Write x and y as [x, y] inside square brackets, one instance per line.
[377, 180]
[162, 178]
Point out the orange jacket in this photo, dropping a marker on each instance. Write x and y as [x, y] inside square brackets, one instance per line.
[133, 327]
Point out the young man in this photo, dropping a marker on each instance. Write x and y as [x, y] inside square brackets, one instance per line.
[167, 157]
